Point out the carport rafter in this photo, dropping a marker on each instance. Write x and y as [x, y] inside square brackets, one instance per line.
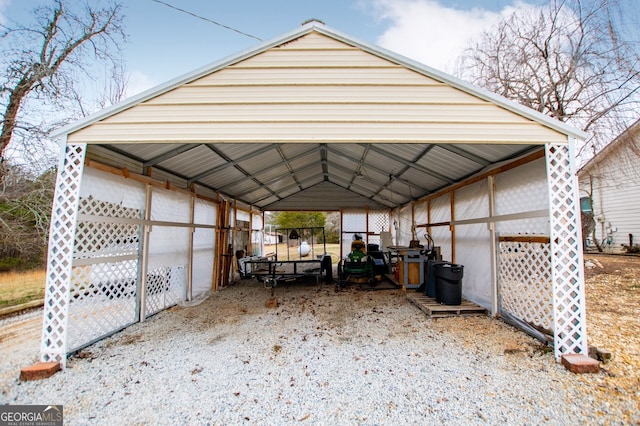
[228, 162]
[241, 170]
[413, 165]
[264, 169]
[369, 166]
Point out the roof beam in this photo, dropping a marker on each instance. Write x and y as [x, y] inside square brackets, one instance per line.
[323, 161]
[387, 185]
[384, 172]
[288, 165]
[241, 170]
[269, 167]
[358, 171]
[176, 151]
[412, 164]
[287, 188]
[229, 162]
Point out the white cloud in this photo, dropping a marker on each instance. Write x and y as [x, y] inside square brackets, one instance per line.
[428, 32]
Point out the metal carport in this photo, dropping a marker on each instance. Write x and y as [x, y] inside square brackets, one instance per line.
[312, 120]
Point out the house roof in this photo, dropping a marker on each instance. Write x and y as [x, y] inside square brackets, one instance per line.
[315, 119]
[611, 147]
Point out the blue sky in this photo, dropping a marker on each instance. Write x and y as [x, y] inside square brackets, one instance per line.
[165, 43]
[177, 43]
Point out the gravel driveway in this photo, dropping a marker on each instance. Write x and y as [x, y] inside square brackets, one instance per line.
[320, 357]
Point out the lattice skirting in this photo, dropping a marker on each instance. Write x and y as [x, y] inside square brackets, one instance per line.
[524, 273]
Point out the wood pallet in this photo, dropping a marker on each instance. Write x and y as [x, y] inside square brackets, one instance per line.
[433, 309]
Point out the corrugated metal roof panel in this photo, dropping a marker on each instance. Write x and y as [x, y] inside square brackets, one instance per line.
[224, 178]
[315, 198]
[424, 180]
[494, 153]
[446, 163]
[148, 151]
[193, 162]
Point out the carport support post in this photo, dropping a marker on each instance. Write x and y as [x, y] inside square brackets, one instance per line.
[567, 269]
[494, 247]
[62, 233]
[192, 230]
[144, 262]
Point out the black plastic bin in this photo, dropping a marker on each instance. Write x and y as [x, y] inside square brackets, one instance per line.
[430, 277]
[449, 283]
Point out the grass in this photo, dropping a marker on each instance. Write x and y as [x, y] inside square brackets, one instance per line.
[21, 287]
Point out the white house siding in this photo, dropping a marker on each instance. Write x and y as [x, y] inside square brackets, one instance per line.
[613, 179]
[316, 88]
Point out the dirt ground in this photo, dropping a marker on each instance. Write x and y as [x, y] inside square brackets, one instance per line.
[612, 288]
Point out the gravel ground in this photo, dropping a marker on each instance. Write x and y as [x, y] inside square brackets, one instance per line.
[320, 357]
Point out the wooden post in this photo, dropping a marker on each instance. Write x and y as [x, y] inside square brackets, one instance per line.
[453, 227]
[192, 230]
[494, 248]
[142, 307]
[429, 216]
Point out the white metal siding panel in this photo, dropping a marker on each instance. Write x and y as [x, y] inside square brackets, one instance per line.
[314, 41]
[387, 74]
[314, 89]
[333, 111]
[318, 131]
[311, 94]
[616, 196]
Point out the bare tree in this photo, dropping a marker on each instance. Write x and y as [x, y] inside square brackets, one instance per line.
[570, 59]
[42, 64]
[25, 205]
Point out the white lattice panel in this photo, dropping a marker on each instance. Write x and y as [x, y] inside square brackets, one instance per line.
[354, 222]
[105, 273]
[524, 277]
[166, 286]
[378, 221]
[60, 254]
[103, 301]
[566, 252]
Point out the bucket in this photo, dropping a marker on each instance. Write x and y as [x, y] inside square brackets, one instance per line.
[430, 277]
[449, 283]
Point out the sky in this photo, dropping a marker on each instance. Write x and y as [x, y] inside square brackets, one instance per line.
[164, 43]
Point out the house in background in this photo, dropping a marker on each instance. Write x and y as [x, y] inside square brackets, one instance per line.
[610, 193]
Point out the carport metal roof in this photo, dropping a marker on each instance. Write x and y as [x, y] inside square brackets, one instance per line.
[315, 120]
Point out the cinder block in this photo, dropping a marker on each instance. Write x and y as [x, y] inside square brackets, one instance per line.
[40, 370]
[579, 363]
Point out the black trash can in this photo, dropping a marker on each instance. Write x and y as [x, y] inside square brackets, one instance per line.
[449, 283]
[430, 277]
